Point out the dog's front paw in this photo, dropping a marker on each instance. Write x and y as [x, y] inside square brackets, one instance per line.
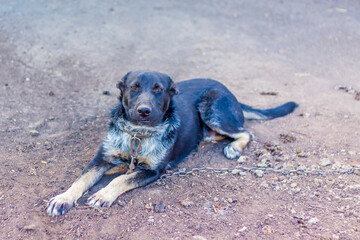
[59, 205]
[102, 198]
[232, 152]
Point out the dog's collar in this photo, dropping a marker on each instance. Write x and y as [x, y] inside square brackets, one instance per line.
[135, 135]
[134, 138]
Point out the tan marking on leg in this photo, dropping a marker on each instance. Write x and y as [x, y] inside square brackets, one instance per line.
[61, 203]
[117, 169]
[235, 148]
[83, 183]
[106, 196]
[218, 137]
[242, 140]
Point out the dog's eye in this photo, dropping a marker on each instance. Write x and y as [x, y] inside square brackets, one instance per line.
[159, 89]
[134, 87]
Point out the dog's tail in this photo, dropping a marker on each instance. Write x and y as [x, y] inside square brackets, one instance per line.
[268, 114]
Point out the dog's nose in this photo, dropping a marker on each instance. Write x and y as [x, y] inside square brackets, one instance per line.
[144, 110]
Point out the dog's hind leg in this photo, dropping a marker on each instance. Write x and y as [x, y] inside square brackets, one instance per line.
[222, 113]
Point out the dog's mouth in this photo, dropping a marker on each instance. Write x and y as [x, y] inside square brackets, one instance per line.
[144, 122]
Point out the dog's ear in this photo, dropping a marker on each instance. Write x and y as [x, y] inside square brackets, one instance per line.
[174, 90]
[121, 84]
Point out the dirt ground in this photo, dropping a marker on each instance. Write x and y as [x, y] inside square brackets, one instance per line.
[58, 58]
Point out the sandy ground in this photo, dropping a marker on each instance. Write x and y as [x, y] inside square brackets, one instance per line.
[58, 57]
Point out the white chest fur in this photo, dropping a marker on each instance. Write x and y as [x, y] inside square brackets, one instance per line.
[116, 146]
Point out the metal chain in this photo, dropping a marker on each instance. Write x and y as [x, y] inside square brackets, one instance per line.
[283, 171]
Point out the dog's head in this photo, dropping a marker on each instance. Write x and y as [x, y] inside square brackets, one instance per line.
[146, 96]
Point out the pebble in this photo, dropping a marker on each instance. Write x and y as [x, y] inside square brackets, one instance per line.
[267, 229]
[82, 128]
[313, 220]
[198, 237]
[159, 208]
[293, 185]
[259, 173]
[301, 168]
[242, 159]
[243, 174]
[235, 171]
[34, 133]
[30, 227]
[243, 229]
[352, 153]
[186, 203]
[325, 162]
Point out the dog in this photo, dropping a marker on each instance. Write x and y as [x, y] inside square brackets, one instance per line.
[155, 126]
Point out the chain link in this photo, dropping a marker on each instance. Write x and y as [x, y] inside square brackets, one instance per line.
[283, 171]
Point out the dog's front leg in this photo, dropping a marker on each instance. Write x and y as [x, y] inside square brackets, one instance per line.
[61, 203]
[106, 196]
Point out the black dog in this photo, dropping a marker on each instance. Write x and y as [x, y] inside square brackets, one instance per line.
[155, 126]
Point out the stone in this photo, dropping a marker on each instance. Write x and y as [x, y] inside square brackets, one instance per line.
[325, 162]
[259, 173]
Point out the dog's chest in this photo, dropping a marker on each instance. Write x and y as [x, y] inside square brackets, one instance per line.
[116, 147]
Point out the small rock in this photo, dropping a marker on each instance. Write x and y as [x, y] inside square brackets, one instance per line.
[259, 173]
[286, 138]
[267, 229]
[29, 227]
[261, 165]
[34, 133]
[243, 174]
[243, 229]
[301, 168]
[264, 185]
[198, 237]
[325, 162]
[357, 96]
[242, 159]
[216, 199]
[302, 155]
[235, 171]
[106, 93]
[78, 233]
[51, 94]
[293, 185]
[352, 153]
[51, 118]
[159, 208]
[82, 128]
[186, 203]
[297, 190]
[313, 220]
[269, 93]
[149, 206]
